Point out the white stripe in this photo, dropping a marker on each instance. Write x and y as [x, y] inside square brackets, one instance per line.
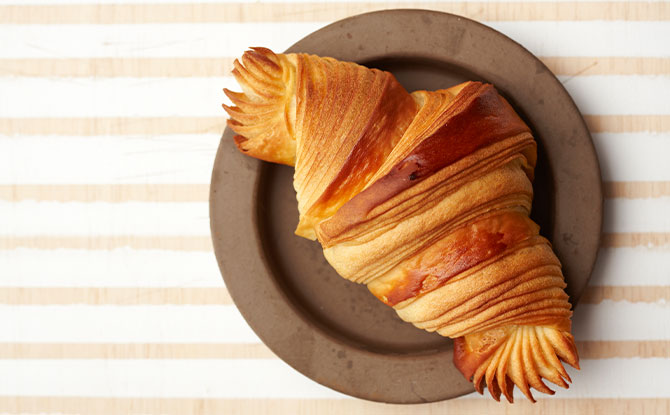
[590, 38]
[633, 156]
[213, 323]
[617, 378]
[544, 38]
[189, 158]
[131, 268]
[158, 97]
[608, 378]
[98, 159]
[622, 320]
[123, 324]
[122, 267]
[607, 94]
[632, 266]
[109, 97]
[637, 215]
[125, 267]
[158, 378]
[31, 218]
[147, 40]
[215, 378]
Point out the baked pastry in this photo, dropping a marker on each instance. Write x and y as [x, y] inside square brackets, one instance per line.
[423, 197]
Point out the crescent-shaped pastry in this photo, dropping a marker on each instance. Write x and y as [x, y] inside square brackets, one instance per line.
[423, 197]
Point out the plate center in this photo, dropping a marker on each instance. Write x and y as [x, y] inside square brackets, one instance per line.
[346, 310]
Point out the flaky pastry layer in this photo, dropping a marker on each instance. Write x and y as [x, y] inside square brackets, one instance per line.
[425, 198]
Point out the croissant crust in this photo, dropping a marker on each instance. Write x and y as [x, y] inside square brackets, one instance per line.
[425, 198]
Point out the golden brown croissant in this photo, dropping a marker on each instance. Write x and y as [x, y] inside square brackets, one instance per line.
[423, 197]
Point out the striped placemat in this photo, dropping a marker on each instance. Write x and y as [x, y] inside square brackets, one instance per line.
[110, 297]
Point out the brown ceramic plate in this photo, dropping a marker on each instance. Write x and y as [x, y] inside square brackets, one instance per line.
[335, 331]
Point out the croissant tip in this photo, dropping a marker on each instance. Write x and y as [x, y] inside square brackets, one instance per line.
[567, 377]
[508, 390]
[265, 52]
[564, 385]
[263, 57]
[234, 97]
[527, 393]
[233, 123]
[494, 396]
[239, 143]
[525, 356]
[230, 111]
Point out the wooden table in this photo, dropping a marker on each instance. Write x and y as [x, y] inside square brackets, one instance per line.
[110, 298]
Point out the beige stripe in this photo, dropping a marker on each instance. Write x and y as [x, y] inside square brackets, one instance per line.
[196, 406]
[636, 190]
[135, 351]
[220, 296]
[627, 123]
[114, 295]
[197, 125]
[116, 193]
[203, 243]
[106, 192]
[607, 65]
[118, 67]
[633, 294]
[316, 12]
[112, 126]
[587, 350]
[624, 349]
[172, 243]
[649, 239]
[214, 67]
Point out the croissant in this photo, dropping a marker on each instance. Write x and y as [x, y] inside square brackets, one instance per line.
[423, 197]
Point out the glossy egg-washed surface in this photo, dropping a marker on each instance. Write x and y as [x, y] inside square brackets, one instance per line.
[425, 198]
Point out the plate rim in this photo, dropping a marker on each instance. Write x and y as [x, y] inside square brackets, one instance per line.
[259, 264]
